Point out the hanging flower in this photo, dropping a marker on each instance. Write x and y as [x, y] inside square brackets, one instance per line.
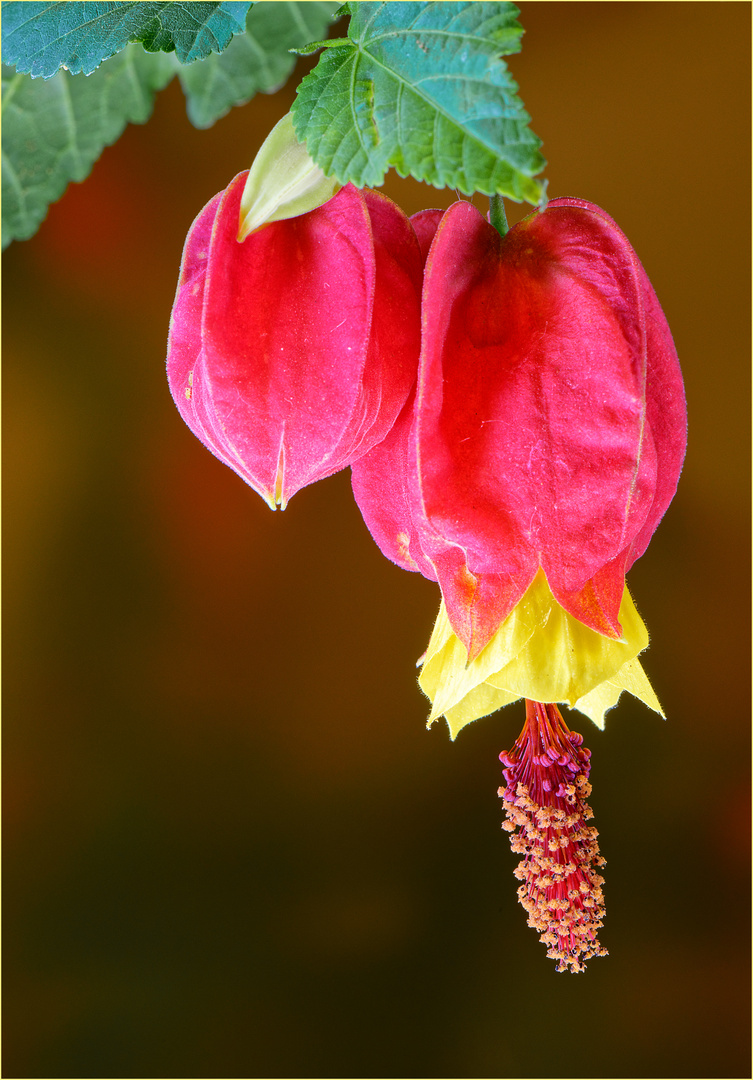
[527, 472]
[293, 350]
[538, 454]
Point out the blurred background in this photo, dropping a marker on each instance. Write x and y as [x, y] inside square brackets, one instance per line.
[231, 847]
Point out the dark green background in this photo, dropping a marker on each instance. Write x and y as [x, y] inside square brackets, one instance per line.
[231, 848]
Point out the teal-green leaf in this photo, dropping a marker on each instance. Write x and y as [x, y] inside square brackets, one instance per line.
[40, 38]
[258, 60]
[422, 89]
[54, 130]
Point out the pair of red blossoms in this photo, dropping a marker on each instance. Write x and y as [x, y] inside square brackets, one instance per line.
[512, 406]
[513, 411]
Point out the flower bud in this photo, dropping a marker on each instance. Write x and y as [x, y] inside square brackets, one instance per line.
[283, 181]
[291, 354]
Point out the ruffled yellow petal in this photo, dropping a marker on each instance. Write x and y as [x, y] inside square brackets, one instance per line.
[539, 652]
[630, 677]
[564, 660]
[481, 701]
[445, 676]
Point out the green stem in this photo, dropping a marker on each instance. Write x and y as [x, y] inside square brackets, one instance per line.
[497, 215]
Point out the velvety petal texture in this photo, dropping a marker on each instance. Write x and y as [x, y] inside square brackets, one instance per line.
[382, 488]
[292, 353]
[548, 426]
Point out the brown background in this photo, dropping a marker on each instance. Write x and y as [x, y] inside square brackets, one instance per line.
[232, 850]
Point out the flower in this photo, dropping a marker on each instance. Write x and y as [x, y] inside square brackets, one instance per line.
[533, 462]
[526, 473]
[291, 353]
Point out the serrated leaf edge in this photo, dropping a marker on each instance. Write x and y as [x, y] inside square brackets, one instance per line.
[359, 49]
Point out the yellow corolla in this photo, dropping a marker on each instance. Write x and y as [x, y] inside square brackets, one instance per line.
[539, 652]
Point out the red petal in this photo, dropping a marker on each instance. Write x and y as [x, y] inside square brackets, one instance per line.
[287, 316]
[597, 603]
[381, 489]
[184, 340]
[426, 223]
[666, 412]
[395, 340]
[476, 603]
[550, 424]
[531, 407]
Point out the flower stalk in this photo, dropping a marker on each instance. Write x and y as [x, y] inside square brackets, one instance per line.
[497, 215]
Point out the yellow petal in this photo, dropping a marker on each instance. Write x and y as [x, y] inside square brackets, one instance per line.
[539, 652]
[283, 181]
[564, 660]
[481, 701]
[446, 678]
[631, 677]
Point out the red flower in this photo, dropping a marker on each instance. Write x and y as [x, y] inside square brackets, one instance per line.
[291, 353]
[526, 474]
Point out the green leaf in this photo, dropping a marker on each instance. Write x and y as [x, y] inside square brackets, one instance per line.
[54, 130]
[41, 38]
[421, 88]
[259, 60]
